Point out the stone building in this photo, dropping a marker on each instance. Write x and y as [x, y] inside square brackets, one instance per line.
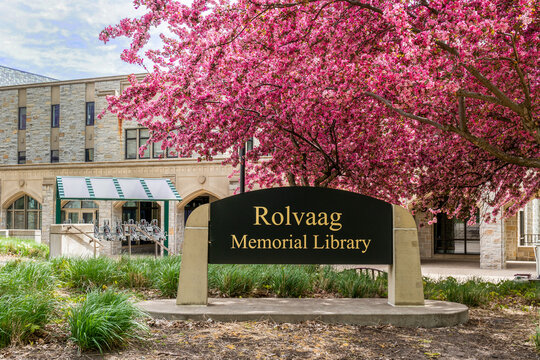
[50, 128]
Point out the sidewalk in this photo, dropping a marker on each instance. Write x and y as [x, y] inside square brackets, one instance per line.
[463, 270]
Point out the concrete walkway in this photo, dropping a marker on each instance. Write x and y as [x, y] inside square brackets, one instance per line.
[342, 311]
[464, 270]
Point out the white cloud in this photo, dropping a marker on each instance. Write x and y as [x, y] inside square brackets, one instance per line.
[60, 39]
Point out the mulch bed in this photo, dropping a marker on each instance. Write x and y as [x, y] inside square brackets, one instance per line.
[489, 334]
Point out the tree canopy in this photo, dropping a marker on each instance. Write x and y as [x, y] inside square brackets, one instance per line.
[433, 104]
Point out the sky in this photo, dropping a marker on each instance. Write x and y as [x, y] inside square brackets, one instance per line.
[59, 38]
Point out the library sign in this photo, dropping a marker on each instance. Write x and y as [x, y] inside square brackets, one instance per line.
[300, 225]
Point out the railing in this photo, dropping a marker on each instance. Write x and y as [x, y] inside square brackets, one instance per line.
[529, 239]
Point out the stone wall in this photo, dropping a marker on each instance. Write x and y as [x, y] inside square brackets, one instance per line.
[47, 209]
[72, 122]
[9, 114]
[38, 125]
[511, 237]
[107, 133]
[491, 245]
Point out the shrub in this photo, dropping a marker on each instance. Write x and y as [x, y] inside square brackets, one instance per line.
[26, 276]
[167, 280]
[136, 273]
[327, 279]
[353, 285]
[104, 321]
[23, 247]
[89, 273]
[472, 292]
[291, 281]
[22, 315]
[231, 280]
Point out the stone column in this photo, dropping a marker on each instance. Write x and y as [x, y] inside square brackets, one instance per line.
[492, 244]
[179, 228]
[47, 208]
[535, 216]
[105, 213]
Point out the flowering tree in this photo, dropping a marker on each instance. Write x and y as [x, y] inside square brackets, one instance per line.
[429, 103]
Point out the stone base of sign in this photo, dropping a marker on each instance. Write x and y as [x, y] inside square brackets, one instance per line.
[405, 275]
[193, 280]
[337, 311]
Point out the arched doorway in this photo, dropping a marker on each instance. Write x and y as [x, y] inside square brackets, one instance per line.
[193, 204]
[80, 212]
[24, 213]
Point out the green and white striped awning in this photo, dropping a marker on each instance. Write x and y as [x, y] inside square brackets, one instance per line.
[101, 188]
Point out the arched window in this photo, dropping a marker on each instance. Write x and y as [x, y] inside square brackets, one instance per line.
[80, 212]
[24, 213]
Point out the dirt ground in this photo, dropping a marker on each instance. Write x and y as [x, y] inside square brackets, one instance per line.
[489, 334]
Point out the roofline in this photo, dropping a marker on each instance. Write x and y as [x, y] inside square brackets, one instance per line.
[69, 82]
[28, 72]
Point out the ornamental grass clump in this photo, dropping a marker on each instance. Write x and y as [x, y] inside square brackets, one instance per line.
[105, 321]
[23, 247]
[351, 284]
[167, 280]
[22, 315]
[232, 280]
[135, 273]
[18, 277]
[90, 273]
[291, 281]
[474, 292]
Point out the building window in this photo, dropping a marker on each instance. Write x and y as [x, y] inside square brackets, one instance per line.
[157, 151]
[90, 114]
[55, 116]
[88, 155]
[454, 236]
[139, 210]
[80, 212]
[24, 213]
[135, 138]
[22, 118]
[131, 144]
[144, 135]
[55, 157]
[21, 157]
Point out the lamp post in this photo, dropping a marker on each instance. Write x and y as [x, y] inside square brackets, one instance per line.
[248, 146]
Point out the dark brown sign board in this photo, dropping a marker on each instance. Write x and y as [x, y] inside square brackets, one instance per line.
[300, 225]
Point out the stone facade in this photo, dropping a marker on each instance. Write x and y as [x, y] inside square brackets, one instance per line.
[492, 245]
[9, 112]
[107, 131]
[72, 122]
[38, 125]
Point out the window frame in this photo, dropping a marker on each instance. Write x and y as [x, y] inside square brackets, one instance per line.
[87, 153]
[21, 125]
[57, 158]
[127, 139]
[93, 117]
[21, 160]
[53, 113]
[140, 141]
[11, 211]
[443, 222]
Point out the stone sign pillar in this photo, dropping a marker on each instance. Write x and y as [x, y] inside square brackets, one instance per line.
[193, 281]
[404, 274]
